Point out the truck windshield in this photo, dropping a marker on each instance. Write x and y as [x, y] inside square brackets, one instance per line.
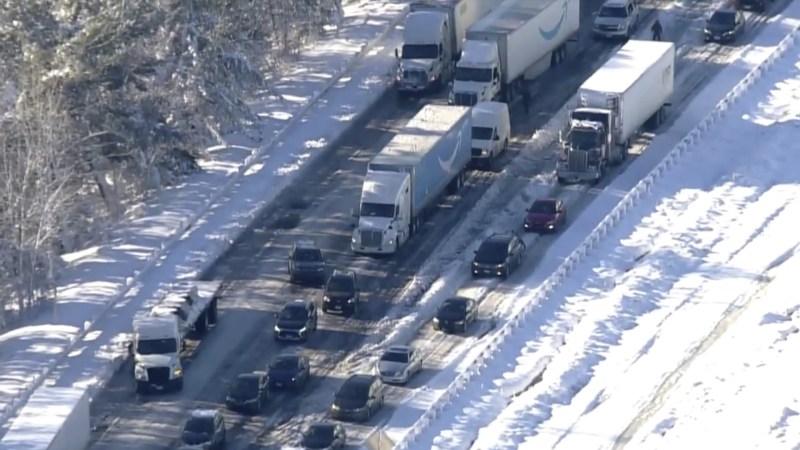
[617, 12]
[156, 346]
[472, 74]
[377, 210]
[583, 139]
[482, 133]
[430, 51]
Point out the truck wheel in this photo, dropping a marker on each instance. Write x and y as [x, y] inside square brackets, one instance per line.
[212, 312]
[455, 185]
[562, 181]
[202, 322]
[178, 386]
[142, 387]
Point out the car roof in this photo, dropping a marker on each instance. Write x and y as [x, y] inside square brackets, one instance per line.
[362, 380]
[204, 413]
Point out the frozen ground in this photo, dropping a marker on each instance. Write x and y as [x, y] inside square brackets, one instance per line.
[181, 231]
[675, 274]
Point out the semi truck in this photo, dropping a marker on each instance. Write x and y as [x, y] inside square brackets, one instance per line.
[159, 335]
[433, 33]
[404, 181]
[631, 90]
[518, 40]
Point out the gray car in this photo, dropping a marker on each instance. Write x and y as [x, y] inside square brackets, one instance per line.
[306, 263]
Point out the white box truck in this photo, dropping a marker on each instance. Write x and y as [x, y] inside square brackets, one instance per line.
[159, 335]
[54, 418]
[520, 39]
[405, 180]
[628, 91]
[433, 33]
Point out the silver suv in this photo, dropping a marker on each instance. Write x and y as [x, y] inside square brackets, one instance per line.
[616, 19]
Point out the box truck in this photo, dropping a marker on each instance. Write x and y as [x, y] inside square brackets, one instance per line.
[405, 180]
[432, 37]
[54, 418]
[519, 40]
[159, 335]
[628, 91]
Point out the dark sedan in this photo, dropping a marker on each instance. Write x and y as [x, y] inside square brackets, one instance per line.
[455, 315]
[329, 436]
[248, 393]
[290, 370]
[724, 26]
[498, 256]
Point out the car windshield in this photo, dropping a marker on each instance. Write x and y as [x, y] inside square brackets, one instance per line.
[285, 364]
[398, 357]
[341, 285]
[318, 436]
[293, 313]
[377, 210]
[617, 12]
[352, 391]
[583, 139]
[482, 133]
[200, 425]
[156, 346]
[722, 19]
[453, 309]
[308, 255]
[492, 252]
[245, 385]
[472, 74]
[542, 207]
[429, 51]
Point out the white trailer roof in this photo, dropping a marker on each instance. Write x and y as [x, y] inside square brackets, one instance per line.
[620, 72]
[42, 418]
[422, 132]
[422, 27]
[510, 16]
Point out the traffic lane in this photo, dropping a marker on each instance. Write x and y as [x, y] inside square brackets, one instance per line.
[118, 410]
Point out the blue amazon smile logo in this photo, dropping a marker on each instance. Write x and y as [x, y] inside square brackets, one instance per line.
[553, 32]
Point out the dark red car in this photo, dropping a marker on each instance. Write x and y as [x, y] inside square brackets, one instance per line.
[545, 215]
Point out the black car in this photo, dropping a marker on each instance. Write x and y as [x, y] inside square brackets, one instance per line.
[341, 293]
[324, 435]
[455, 315]
[205, 429]
[725, 25]
[248, 393]
[498, 256]
[306, 263]
[753, 5]
[359, 398]
[296, 321]
[290, 370]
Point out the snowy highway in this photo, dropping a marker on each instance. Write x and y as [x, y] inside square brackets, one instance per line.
[255, 270]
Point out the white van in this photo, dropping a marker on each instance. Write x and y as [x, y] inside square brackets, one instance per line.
[491, 130]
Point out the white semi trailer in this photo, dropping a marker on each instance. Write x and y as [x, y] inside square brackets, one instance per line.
[54, 418]
[159, 335]
[518, 40]
[629, 91]
[433, 34]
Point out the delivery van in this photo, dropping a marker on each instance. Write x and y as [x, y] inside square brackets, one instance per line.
[491, 131]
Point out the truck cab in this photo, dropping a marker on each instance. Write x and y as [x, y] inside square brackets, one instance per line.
[589, 145]
[157, 345]
[477, 77]
[491, 131]
[425, 60]
[384, 213]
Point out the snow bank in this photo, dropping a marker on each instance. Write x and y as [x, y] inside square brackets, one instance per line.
[481, 356]
[193, 237]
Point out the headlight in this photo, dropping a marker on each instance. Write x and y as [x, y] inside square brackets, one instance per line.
[351, 300]
[334, 407]
[277, 329]
[302, 330]
[177, 371]
[140, 372]
[325, 298]
[435, 320]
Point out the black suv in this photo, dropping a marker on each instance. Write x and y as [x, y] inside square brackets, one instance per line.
[455, 315]
[324, 436]
[341, 293]
[248, 393]
[306, 263]
[498, 256]
[206, 428]
[358, 399]
[296, 321]
[290, 370]
[725, 25]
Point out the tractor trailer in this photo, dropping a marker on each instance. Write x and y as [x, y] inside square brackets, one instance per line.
[405, 180]
[629, 91]
[518, 40]
[159, 335]
[432, 37]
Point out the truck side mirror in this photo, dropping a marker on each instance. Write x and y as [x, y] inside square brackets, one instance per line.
[396, 54]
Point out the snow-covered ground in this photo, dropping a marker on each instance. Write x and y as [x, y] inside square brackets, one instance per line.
[672, 275]
[185, 228]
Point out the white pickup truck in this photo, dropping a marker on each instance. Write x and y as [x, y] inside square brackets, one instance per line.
[158, 335]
